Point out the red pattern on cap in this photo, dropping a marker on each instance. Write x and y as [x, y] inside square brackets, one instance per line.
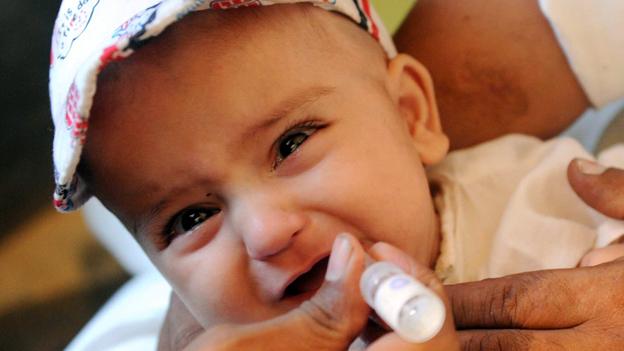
[75, 122]
[229, 4]
[374, 30]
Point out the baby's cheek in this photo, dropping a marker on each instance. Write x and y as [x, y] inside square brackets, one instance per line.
[603, 255]
[214, 304]
[220, 290]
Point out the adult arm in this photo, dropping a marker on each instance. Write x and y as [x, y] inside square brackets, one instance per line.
[572, 309]
[499, 68]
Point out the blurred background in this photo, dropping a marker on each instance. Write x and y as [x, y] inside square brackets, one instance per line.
[54, 275]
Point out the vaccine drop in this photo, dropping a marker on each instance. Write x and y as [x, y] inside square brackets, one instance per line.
[411, 309]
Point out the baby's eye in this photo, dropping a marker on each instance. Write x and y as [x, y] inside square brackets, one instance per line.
[291, 140]
[291, 143]
[189, 219]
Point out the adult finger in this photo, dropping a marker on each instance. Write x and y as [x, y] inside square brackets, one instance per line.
[330, 320]
[582, 338]
[600, 187]
[540, 300]
[337, 312]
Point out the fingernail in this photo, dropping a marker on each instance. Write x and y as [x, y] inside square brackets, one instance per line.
[590, 167]
[337, 266]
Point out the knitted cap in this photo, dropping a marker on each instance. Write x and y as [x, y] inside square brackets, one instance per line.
[89, 34]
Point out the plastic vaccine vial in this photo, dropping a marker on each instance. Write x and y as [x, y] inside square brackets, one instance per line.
[411, 309]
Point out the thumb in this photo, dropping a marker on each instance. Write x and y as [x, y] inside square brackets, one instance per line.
[599, 187]
[337, 313]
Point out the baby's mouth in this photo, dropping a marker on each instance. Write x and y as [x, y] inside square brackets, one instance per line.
[309, 281]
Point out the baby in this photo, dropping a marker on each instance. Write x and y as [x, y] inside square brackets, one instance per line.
[237, 145]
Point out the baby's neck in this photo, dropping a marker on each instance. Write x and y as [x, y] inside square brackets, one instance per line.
[435, 247]
[435, 190]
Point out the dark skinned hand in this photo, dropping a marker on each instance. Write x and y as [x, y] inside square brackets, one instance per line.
[569, 309]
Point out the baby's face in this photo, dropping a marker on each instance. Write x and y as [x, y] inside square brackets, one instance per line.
[237, 162]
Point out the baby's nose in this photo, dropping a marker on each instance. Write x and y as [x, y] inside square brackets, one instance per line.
[267, 229]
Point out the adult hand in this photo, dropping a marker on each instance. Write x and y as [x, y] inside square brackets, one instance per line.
[571, 309]
[331, 320]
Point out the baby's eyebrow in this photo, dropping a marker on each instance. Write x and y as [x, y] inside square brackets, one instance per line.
[139, 224]
[288, 106]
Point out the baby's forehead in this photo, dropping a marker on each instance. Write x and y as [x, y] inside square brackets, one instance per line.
[215, 35]
[216, 39]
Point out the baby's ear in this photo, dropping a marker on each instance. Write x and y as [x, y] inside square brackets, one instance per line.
[411, 88]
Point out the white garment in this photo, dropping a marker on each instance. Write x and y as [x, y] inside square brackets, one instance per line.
[506, 207]
[130, 320]
[591, 33]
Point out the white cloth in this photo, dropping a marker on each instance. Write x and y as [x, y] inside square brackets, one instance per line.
[506, 207]
[591, 32]
[112, 234]
[130, 320]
